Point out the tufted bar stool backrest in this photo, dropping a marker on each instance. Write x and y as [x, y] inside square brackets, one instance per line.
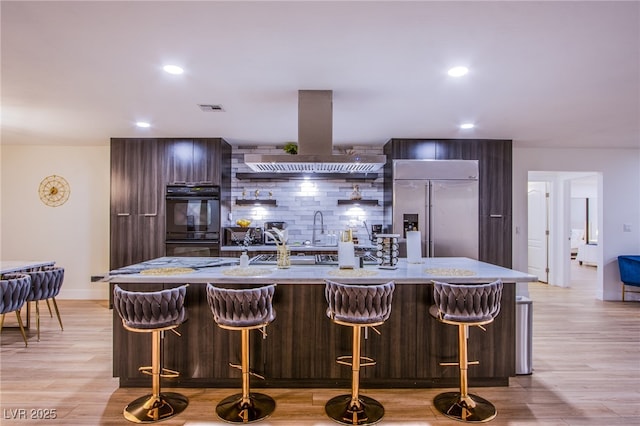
[467, 302]
[152, 309]
[359, 304]
[249, 307]
[14, 290]
[46, 283]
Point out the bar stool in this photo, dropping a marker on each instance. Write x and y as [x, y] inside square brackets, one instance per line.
[465, 305]
[243, 310]
[14, 289]
[45, 285]
[358, 307]
[153, 312]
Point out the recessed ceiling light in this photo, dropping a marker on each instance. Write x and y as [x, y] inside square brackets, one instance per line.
[458, 71]
[143, 124]
[466, 126]
[173, 69]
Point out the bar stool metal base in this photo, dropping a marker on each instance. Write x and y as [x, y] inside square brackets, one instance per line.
[149, 409]
[340, 409]
[232, 410]
[453, 406]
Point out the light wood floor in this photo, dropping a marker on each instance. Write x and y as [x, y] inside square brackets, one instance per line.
[586, 359]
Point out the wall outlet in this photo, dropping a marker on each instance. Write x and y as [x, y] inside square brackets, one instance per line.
[626, 227]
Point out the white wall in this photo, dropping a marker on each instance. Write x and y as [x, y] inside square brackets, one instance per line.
[620, 194]
[76, 234]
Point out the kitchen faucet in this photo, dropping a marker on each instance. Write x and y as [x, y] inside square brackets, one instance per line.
[315, 240]
[366, 228]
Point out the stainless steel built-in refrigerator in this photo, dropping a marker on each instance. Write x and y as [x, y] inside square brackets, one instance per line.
[439, 198]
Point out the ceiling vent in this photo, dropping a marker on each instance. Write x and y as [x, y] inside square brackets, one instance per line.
[315, 138]
[210, 108]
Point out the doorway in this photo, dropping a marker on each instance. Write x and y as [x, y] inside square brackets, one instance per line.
[562, 205]
[538, 230]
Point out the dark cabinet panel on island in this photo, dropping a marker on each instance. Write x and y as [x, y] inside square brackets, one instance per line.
[302, 344]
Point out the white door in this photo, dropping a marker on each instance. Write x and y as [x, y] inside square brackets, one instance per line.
[538, 229]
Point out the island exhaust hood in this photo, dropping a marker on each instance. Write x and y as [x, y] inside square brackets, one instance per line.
[315, 139]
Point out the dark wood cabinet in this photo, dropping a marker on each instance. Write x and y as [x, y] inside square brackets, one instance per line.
[136, 171]
[137, 207]
[140, 170]
[495, 177]
[412, 335]
[495, 195]
[194, 160]
[302, 344]
[495, 239]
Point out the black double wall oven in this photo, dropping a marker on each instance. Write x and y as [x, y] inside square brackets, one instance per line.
[193, 220]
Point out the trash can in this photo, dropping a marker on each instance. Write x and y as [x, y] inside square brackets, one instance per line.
[524, 334]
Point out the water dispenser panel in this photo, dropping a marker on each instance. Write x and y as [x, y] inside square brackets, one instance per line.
[409, 223]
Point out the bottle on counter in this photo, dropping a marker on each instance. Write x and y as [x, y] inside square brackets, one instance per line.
[346, 250]
[332, 239]
[244, 260]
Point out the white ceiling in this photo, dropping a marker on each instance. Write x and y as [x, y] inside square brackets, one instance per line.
[541, 73]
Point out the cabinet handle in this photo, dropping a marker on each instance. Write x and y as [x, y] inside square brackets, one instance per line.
[123, 214]
[150, 214]
[495, 216]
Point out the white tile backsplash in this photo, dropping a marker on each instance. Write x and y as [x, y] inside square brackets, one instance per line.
[298, 199]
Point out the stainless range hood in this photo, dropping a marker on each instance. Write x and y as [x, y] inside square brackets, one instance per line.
[315, 140]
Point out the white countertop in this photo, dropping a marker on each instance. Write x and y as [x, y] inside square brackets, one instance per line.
[8, 266]
[447, 269]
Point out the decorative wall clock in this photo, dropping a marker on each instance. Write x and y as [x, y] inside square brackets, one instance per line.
[54, 190]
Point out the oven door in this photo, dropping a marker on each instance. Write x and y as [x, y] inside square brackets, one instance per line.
[192, 249]
[193, 218]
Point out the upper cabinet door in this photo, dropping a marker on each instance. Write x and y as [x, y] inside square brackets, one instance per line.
[150, 163]
[193, 161]
[179, 158]
[411, 149]
[121, 170]
[495, 178]
[206, 161]
[136, 166]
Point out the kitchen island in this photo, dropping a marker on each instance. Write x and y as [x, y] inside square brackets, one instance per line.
[302, 343]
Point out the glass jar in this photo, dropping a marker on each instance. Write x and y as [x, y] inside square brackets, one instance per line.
[283, 256]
